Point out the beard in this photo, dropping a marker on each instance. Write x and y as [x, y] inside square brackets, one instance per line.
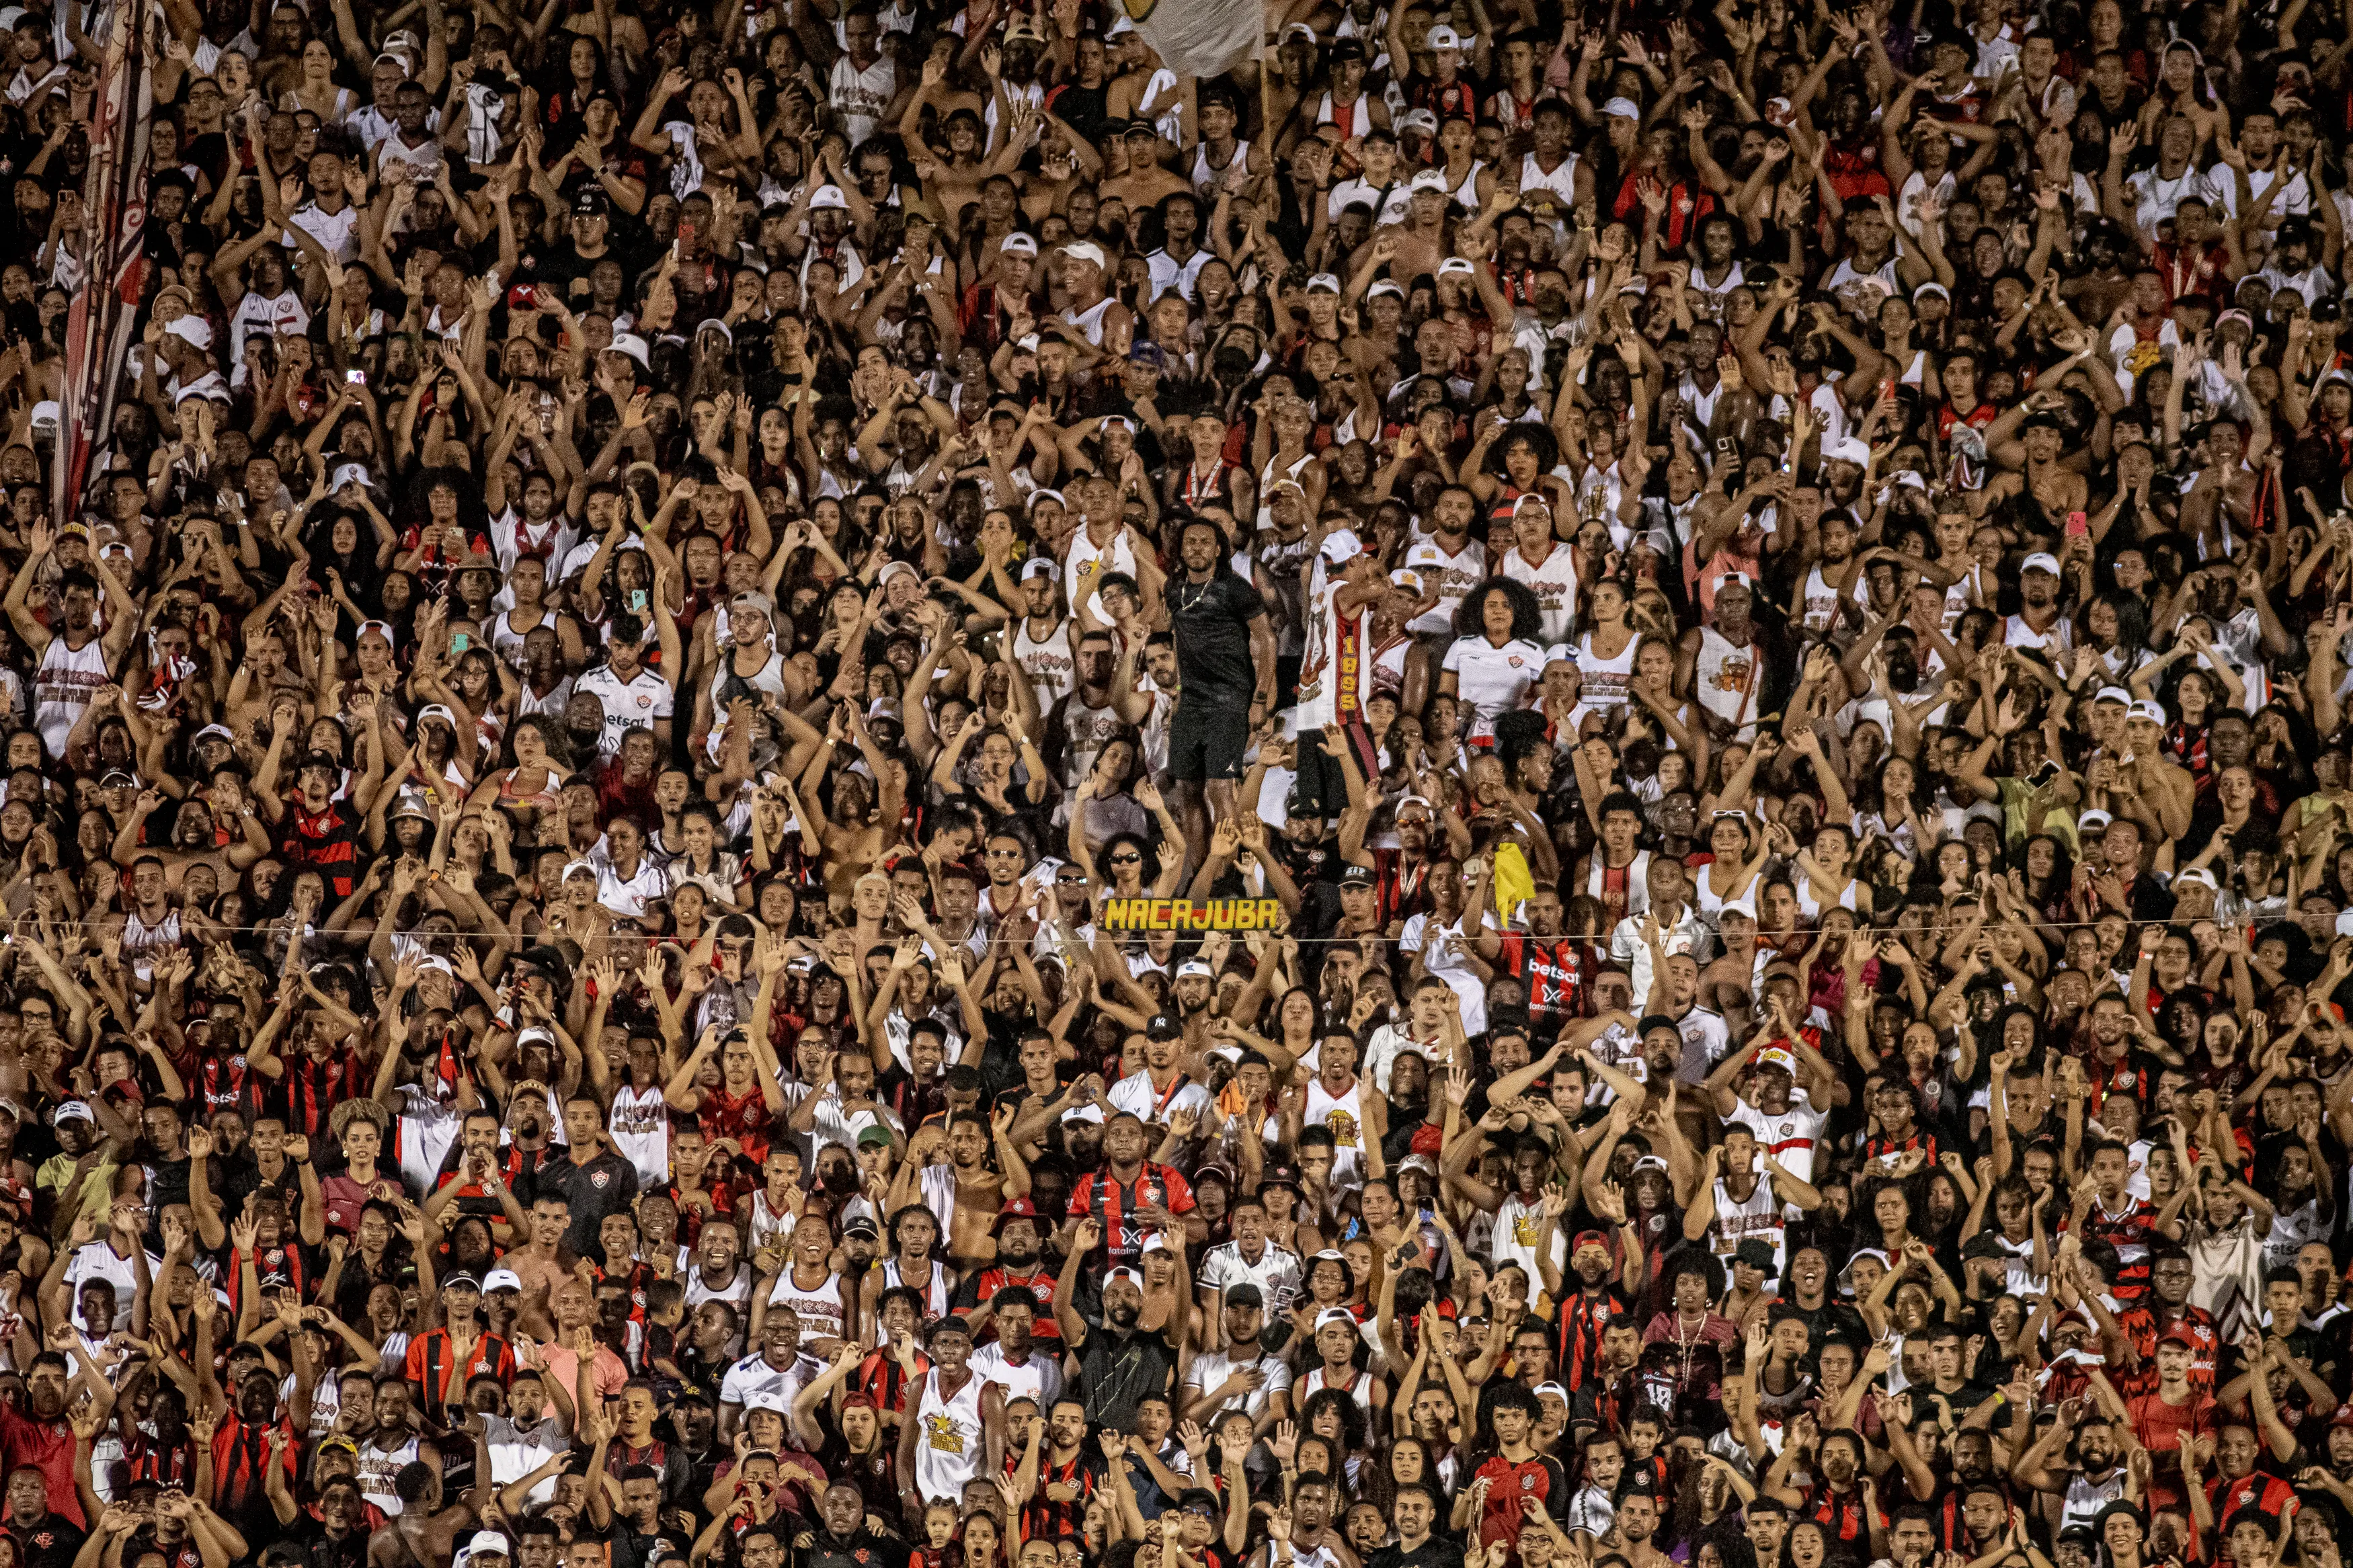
[1123, 1316]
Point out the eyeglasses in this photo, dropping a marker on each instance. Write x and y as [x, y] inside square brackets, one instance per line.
[1127, 859]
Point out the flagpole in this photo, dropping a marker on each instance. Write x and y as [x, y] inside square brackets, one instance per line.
[114, 220]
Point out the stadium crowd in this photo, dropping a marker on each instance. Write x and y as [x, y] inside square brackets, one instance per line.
[1764, 592]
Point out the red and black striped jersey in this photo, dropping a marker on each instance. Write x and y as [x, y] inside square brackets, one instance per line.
[2142, 1324]
[1557, 974]
[1102, 1196]
[2130, 1230]
[1583, 1317]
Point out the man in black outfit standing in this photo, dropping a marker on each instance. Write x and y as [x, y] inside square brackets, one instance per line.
[1225, 667]
[1416, 1513]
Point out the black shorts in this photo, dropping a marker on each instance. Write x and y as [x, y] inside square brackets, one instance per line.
[1321, 789]
[1207, 738]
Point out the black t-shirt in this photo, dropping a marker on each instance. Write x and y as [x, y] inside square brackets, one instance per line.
[820, 1549]
[1211, 622]
[243, 1178]
[1116, 1372]
[168, 1184]
[52, 1543]
[1435, 1553]
[603, 1186]
[321, 1550]
[628, 1548]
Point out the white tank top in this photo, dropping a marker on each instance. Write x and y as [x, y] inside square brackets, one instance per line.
[935, 1294]
[767, 1224]
[1342, 115]
[1090, 321]
[640, 1133]
[1812, 908]
[1607, 680]
[948, 1446]
[1343, 1117]
[1758, 1219]
[1821, 602]
[1554, 583]
[62, 688]
[1637, 872]
[376, 1470]
[1704, 893]
[1207, 175]
[140, 938]
[1728, 679]
[507, 643]
[1466, 195]
[769, 681]
[1046, 663]
[819, 1308]
[1561, 182]
[2086, 1498]
[1357, 1387]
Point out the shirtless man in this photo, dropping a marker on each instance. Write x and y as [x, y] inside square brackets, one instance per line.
[2037, 466]
[1728, 983]
[192, 836]
[980, 1193]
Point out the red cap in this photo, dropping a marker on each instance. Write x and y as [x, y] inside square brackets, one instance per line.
[2179, 1335]
[1019, 1208]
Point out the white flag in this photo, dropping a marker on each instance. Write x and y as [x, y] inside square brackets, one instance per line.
[1201, 38]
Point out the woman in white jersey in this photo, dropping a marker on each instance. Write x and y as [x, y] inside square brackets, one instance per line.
[1823, 880]
[1739, 856]
[1606, 654]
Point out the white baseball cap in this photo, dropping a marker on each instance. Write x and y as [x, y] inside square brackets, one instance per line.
[2147, 711]
[1340, 546]
[2041, 561]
